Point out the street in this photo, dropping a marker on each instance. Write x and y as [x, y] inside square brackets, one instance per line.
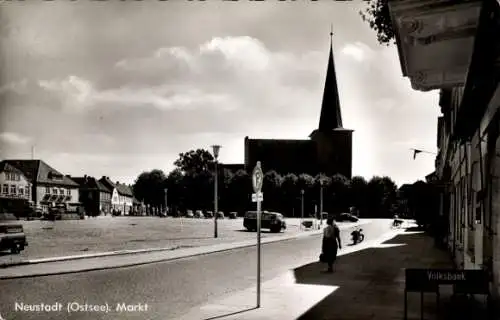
[169, 289]
[73, 237]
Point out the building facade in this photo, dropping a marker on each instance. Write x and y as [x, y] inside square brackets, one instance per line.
[49, 187]
[15, 190]
[122, 198]
[453, 46]
[328, 150]
[95, 196]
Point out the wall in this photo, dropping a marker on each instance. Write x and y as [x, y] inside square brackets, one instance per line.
[334, 152]
[22, 183]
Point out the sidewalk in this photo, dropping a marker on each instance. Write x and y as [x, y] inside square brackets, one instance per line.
[367, 284]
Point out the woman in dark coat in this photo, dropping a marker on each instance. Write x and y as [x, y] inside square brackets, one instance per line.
[331, 243]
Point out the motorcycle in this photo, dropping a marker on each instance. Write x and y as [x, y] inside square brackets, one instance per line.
[357, 236]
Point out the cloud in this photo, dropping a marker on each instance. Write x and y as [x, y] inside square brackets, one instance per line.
[358, 51]
[13, 138]
[223, 74]
[18, 87]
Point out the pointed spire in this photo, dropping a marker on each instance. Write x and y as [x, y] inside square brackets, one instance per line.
[331, 117]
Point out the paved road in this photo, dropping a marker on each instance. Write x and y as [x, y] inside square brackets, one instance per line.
[168, 288]
[95, 235]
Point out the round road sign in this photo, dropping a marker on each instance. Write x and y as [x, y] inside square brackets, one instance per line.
[257, 178]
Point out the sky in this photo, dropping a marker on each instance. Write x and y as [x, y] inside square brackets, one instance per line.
[118, 88]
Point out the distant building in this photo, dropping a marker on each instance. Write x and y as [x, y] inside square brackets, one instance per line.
[122, 198]
[94, 195]
[328, 151]
[49, 187]
[15, 189]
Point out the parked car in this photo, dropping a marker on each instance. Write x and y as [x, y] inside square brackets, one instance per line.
[233, 215]
[273, 221]
[346, 217]
[189, 214]
[199, 214]
[209, 214]
[220, 215]
[12, 237]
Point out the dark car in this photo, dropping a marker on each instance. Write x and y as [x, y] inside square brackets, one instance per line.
[346, 217]
[273, 221]
[12, 237]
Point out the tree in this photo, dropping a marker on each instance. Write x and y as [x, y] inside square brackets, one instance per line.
[336, 196]
[289, 194]
[357, 193]
[149, 187]
[381, 196]
[195, 162]
[240, 190]
[378, 17]
[174, 184]
[271, 188]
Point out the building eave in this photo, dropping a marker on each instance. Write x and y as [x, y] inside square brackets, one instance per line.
[434, 40]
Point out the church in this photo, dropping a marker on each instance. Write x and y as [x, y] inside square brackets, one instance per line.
[327, 151]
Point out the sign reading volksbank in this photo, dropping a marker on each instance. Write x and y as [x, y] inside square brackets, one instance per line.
[452, 276]
[427, 280]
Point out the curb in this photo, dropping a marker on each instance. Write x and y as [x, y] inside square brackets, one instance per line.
[138, 263]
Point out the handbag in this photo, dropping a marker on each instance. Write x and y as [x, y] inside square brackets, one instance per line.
[322, 257]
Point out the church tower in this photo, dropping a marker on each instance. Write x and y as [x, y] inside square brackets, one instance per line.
[333, 142]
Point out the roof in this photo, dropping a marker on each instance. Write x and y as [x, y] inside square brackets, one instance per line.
[330, 117]
[40, 172]
[91, 183]
[122, 189]
[6, 167]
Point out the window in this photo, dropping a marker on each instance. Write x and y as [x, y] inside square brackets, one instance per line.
[13, 189]
[47, 190]
[68, 192]
[27, 191]
[5, 188]
[61, 192]
[21, 191]
[54, 191]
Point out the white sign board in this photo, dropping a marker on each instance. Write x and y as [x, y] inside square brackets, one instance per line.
[258, 197]
[257, 178]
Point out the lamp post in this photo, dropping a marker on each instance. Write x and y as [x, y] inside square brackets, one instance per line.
[215, 149]
[302, 205]
[320, 202]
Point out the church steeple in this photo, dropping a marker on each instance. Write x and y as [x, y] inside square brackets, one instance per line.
[331, 117]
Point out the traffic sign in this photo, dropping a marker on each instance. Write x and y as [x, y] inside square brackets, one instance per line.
[257, 178]
[258, 196]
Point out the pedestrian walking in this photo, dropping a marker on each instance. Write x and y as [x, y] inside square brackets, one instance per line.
[331, 243]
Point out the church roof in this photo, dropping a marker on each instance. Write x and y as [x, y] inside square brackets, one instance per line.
[331, 117]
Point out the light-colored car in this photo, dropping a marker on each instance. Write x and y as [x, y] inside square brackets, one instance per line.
[199, 214]
[209, 214]
[189, 214]
[220, 215]
[233, 215]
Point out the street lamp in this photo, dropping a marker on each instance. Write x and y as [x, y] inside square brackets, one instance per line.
[215, 149]
[302, 205]
[320, 201]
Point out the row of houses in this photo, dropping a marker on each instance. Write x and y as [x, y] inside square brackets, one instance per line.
[454, 47]
[33, 184]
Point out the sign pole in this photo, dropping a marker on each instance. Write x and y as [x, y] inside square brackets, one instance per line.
[257, 180]
[258, 249]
